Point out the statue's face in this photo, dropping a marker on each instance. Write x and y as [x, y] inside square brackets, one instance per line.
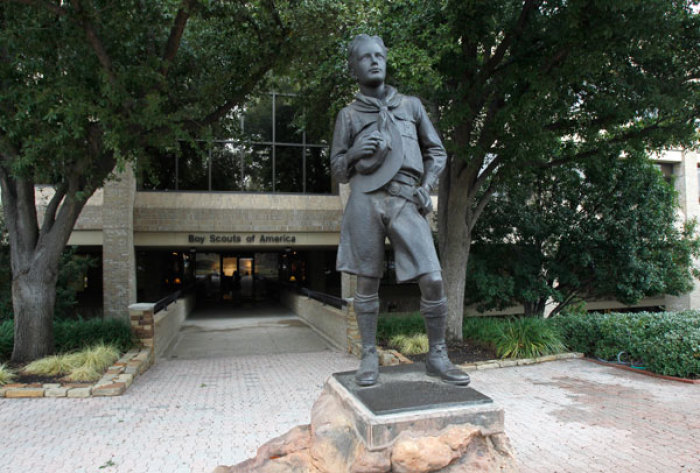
[370, 64]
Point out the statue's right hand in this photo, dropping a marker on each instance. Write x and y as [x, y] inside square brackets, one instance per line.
[365, 146]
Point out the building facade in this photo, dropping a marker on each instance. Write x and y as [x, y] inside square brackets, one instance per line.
[230, 246]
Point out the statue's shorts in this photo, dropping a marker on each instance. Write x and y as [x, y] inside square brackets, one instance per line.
[368, 220]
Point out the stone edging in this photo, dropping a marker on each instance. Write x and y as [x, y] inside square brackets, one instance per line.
[114, 382]
[388, 357]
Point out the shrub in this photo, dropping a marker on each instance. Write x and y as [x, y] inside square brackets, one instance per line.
[667, 342]
[76, 334]
[410, 344]
[7, 337]
[527, 337]
[512, 338]
[392, 325]
[71, 335]
[483, 329]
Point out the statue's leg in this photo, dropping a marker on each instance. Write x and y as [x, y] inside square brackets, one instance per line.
[366, 305]
[433, 307]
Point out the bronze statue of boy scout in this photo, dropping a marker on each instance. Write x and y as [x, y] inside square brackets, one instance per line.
[386, 147]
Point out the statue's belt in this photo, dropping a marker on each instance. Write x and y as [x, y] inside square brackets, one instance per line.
[403, 186]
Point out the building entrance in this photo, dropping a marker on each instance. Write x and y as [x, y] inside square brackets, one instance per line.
[232, 275]
[235, 277]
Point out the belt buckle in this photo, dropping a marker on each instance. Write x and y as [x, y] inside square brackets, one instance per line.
[394, 188]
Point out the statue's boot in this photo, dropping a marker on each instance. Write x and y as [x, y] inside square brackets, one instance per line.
[436, 362]
[367, 310]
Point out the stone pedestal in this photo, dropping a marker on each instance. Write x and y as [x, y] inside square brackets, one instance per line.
[407, 422]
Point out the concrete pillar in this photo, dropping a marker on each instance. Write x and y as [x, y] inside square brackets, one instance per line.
[118, 258]
[688, 189]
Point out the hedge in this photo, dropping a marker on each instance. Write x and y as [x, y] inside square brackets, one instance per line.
[667, 343]
[71, 335]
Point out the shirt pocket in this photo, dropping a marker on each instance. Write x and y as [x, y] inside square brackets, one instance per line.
[406, 125]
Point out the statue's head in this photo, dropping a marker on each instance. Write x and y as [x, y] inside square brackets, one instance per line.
[367, 59]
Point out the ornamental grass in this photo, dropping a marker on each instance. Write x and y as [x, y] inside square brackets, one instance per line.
[6, 375]
[85, 365]
[410, 344]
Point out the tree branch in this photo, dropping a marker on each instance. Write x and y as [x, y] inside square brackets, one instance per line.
[226, 107]
[41, 4]
[175, 36]
[50, 214]
[507, 42]
[634, 133]
[95, 41]
[485, 199]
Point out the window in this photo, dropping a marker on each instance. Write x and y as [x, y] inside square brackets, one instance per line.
[271, 154]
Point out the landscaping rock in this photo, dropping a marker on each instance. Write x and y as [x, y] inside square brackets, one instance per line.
[79, 392]
[56, 392]
[330, 444]
[24, 392]
[113, 389]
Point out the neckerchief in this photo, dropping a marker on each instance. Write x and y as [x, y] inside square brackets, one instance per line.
[383, 109]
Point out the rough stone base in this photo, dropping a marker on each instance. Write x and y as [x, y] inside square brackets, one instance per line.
[331, 444]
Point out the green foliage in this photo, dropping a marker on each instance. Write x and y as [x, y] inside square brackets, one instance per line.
[7, 337]
[523, 337]
[389, 326]
[484, 329]
[606, 227]
[666, 343]
[410, 344]
[518, 85]
[527, 337]
[6, 375]
[71, 273]
[72, 335]
[87, 87]
[77, 334]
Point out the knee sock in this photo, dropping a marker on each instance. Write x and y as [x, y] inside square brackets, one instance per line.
[367, 310]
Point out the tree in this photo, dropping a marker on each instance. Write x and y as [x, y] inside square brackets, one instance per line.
[605, 228]
[90, 84]
[534, 84]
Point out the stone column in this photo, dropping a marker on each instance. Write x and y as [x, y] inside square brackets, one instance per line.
[118, 258]
[688, 189]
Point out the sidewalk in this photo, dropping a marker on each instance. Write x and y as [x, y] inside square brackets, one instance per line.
[190, 415]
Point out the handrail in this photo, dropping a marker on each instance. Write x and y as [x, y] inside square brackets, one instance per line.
[170, 298]
[166, 301]
[322, 297]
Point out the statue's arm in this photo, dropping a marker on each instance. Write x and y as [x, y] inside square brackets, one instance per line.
[434, 154]
[340, 164]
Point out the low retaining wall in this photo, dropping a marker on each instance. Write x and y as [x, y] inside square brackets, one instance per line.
[326, 320]
[158, 331]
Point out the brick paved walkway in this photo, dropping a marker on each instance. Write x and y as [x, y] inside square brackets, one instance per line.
[192, 415]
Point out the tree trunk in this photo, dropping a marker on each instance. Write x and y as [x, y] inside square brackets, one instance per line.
[35, 255]
[455, 271]
[455, 240]
[33, 298]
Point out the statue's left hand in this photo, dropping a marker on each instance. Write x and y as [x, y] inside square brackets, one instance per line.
[422, 197]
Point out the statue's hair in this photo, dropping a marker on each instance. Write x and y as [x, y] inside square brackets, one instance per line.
[355, 44]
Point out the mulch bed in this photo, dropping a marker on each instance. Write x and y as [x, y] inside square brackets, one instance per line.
[467, 351]
[31, 378]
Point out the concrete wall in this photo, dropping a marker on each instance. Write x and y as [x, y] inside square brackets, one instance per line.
[168, 322]
[235, 212]
[327, 321]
